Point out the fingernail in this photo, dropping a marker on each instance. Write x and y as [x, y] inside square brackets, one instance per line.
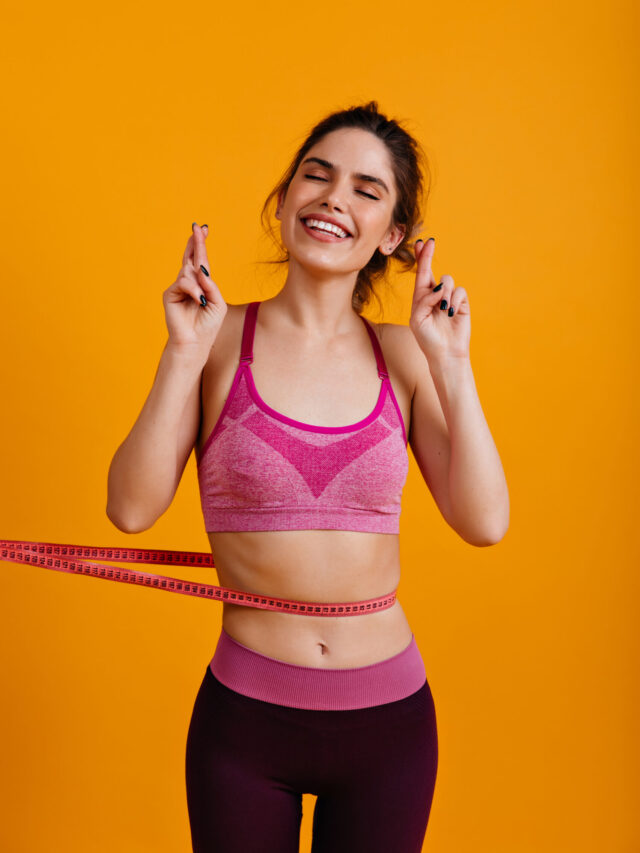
[432, 238]
[193, 225]
[205, 225]
[420, 240]
[437, 288]
[204, 270]
[443, 304]
[203, 301]
[450, 311]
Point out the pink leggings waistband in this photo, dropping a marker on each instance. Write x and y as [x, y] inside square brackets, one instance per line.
[316, 688]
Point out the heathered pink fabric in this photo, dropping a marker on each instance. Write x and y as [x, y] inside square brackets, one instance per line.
[317, 688]
[261, 470]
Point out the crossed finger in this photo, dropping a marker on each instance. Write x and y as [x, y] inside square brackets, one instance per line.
[424, 275]
[201, 262]
[449, 296]
[188, 257]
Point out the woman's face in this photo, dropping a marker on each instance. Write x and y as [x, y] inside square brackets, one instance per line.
[348, 177]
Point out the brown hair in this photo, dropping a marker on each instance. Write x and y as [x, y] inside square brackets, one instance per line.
[407, 157]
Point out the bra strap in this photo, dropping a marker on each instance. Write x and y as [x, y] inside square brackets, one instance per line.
[383, 373]
[248, 330]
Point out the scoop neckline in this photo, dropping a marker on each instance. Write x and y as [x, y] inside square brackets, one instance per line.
[314, 427]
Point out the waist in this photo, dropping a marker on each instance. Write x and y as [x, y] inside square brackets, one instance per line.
[270, 679]
[310, 565]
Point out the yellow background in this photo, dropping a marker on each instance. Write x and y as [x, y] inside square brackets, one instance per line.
[126, 122]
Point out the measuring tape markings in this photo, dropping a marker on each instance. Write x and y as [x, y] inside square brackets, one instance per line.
[52, 555]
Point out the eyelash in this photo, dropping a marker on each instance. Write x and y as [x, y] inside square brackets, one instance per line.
[318, 178]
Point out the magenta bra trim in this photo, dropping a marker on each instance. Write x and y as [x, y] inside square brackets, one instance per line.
[310, 427]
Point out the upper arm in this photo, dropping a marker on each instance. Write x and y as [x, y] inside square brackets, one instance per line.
[428, 431]
[189, 430]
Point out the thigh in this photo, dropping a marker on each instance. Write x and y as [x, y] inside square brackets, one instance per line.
[237, 798]
[380, 780]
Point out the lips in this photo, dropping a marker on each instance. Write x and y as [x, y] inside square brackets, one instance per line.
[323, 236]
[324, 218]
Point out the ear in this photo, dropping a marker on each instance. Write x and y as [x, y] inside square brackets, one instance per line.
[281, 197]
[393, 238]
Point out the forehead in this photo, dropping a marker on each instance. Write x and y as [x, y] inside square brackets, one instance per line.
[354, 150]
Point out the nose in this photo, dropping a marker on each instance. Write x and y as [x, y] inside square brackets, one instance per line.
[333, 196]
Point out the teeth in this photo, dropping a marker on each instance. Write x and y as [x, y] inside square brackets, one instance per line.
[326, 226]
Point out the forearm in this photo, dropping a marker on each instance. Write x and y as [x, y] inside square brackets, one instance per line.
[478, 493]
[143, 475]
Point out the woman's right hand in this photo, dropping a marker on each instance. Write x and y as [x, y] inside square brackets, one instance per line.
[193, 326]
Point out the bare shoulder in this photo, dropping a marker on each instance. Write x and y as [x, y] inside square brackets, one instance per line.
[401, 351]
[394, 335]
[228, 338]
[235, 314]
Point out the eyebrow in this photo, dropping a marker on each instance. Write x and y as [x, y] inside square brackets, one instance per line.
[359, 175]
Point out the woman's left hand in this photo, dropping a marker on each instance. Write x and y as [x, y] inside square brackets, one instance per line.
[440, 334]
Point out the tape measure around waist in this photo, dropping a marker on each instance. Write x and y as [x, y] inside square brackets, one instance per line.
[72, 558]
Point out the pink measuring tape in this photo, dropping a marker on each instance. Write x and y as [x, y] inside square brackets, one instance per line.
[70, 558]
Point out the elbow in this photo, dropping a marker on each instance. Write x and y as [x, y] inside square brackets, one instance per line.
[488, 538]
[126, 524]
[483, 540]
[487, 534]
[495, 534]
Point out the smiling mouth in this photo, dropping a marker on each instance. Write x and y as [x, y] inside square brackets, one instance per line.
[323, 234]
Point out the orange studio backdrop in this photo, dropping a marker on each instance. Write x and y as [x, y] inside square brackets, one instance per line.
[125, 123]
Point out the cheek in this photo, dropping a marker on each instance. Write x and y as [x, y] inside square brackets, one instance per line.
[373, 235]
[374, 225]
[300, 195]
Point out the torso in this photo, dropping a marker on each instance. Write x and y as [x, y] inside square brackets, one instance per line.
[325, 386]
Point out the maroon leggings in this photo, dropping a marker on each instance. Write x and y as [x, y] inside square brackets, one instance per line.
[248, 762]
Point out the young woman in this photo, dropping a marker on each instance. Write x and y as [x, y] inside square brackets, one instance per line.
[300, 412]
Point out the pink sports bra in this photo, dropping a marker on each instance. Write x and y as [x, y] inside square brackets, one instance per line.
[261, 470]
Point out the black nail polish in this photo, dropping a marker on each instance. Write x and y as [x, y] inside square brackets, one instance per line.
[450, 311]
[443, 304]
[193, 225]
[437, 288]
[205, 225]
[204, 270]
[203, 301]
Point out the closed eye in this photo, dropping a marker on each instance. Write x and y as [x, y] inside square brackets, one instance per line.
[318, 178]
